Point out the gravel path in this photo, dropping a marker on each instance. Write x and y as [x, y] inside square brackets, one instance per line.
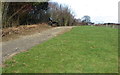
[26, 42]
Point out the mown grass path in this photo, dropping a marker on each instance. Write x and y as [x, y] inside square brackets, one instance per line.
[84, 49]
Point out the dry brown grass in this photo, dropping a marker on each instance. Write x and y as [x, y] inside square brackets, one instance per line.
[15, 32]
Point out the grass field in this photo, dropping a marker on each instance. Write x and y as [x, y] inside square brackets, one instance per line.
[84, 49]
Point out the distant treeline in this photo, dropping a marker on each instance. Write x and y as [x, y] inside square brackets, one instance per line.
[26, 13]
[107, 24]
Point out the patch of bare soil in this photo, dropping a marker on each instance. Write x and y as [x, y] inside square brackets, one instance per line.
[64, 31]
[16, 32]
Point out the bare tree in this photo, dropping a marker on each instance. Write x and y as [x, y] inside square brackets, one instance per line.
[61, 14]
[16, 13]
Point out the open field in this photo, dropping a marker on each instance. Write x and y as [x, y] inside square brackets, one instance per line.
[84, 49]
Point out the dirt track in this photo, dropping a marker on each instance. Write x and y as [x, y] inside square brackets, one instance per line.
[26, 42]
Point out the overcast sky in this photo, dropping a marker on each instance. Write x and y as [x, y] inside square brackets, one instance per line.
[98, 10]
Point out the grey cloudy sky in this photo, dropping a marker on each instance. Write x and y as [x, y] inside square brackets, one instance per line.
[98, 10]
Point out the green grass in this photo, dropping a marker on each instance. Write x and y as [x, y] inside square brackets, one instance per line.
[84, 49]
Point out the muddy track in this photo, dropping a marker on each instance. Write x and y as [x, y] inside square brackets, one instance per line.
[26, 42]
